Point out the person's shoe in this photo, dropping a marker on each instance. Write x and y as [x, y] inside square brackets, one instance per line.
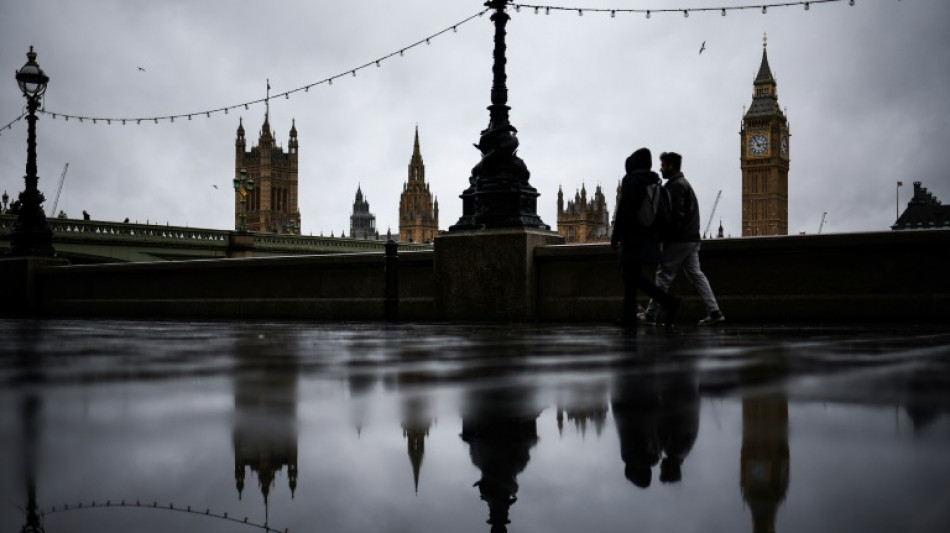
[712, 319]
[671, 310]
[645, 319]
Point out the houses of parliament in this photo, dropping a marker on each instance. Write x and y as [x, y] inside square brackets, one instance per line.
[272, 206]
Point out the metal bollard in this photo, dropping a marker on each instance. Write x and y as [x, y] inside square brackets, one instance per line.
[391, 305]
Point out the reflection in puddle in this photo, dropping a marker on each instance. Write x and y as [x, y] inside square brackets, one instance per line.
[423, 428]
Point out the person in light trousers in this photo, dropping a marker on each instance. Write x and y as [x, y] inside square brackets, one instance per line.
[681, 243]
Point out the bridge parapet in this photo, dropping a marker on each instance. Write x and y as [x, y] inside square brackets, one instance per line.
[106, 241]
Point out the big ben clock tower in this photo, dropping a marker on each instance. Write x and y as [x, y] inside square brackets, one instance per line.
[764, 158]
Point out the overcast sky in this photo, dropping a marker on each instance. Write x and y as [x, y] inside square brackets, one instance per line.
[865, 88]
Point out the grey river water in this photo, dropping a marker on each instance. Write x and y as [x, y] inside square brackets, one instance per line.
[199, 426]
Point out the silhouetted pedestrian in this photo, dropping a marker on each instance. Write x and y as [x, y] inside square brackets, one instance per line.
[681, 242]
[85, 215]
[638, 244]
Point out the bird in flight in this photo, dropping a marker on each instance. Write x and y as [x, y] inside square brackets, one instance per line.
[142, 69]
[215, 186]
[702, 47]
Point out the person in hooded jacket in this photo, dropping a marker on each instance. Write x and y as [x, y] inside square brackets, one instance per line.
[638, 245]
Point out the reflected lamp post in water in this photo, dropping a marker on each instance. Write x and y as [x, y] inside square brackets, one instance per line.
[499, 195]
[243, 185]
[31, 234]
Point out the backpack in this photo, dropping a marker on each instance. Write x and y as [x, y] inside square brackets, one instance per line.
[654, 212]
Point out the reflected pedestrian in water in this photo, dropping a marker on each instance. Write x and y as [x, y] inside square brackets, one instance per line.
[655, 406]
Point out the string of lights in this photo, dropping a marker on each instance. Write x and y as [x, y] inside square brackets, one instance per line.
[9, 126]
[806, 4]
[169, 507]
[246, 105]
[684, 10]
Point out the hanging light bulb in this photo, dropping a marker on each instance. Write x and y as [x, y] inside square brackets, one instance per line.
[353, 72]
[377, 63]
[807, 7]
[724, 12]
[648, 13]
[156, 121]
[613, 14]
[189, 118]
[580, 12]
[686, 13]
[401, 51]
[427, 41]
[536, 10]
[331, 81]
[80, 120]
[93, 121]
[851, 3]
[517, 9]
[547, 11]
[123, 122]
[108, 122]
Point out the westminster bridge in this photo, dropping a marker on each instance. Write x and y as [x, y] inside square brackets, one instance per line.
[99, 241]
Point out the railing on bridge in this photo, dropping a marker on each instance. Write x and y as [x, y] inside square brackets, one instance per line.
[97, 235]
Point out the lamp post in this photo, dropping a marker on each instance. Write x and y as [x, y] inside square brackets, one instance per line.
[243, 185]
[31, 235]
[499, 195]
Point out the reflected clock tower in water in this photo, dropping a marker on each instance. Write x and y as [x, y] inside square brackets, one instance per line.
[764, 457]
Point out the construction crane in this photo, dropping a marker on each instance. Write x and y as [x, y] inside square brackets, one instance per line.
[62, 178]
[712, 213]
[822, 225]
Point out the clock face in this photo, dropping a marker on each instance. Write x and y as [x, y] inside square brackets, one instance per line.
[784, 145]
[758, 144]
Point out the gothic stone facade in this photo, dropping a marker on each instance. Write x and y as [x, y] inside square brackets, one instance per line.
[764, 159]
[362, 222]
[272, 204]
[582, 221]
[418, 211]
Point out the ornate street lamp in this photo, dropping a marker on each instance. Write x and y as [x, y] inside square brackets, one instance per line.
[31, 235]
[243, 185]
[499, 195]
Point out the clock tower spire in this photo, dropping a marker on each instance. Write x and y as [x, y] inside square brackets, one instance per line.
[764, 157]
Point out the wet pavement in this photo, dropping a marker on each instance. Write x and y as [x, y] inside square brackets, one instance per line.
[225, 426]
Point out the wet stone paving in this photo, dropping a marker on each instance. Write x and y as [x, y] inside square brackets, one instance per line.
[156, 426]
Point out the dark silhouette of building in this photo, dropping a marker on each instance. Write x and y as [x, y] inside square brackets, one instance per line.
[764, 457]
[764, 158]
[923, 211]
[362, 222]
[272, 204]
[418, 211]
[582, 221]
[265, 421]
[416, 422]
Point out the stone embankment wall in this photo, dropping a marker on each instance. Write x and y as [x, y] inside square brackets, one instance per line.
[893, 276]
